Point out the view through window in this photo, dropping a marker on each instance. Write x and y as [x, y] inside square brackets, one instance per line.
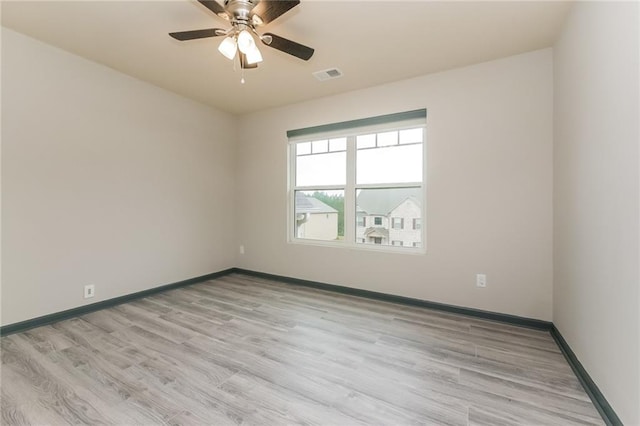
[360, 184]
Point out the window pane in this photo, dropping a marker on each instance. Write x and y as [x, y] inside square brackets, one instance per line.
[319, 215]
[366, 141]
[411, 136]
[320, 146]
[387, 138]
[379, 209]
[393, 164]
[321, 169]
[339, 144]
[303, 148]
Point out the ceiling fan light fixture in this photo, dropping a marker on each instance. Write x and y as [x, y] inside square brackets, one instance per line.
[228, 48]
[245, 42]
[239, 40]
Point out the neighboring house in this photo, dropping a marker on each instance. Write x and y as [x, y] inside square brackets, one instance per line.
[315, 220]
[390, 217]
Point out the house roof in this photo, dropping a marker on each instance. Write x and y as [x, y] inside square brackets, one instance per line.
[305, 204]
[375, 231]
[382, 202]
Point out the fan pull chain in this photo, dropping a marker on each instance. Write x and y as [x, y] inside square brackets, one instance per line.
[239, 63]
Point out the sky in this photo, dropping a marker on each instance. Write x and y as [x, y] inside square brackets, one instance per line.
[382, 158]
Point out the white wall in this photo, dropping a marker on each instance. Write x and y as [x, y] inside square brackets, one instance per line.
[106, 180]
[489, 184]
[596, 197]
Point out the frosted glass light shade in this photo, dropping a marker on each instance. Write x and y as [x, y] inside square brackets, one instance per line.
[228, 48]
[245, 42]
[253, 55]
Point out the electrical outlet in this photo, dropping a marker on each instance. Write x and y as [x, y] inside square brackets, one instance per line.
[481, 280]
[241, 249]
[89, 291]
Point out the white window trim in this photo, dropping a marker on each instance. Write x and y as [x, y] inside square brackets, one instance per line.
[349, 241]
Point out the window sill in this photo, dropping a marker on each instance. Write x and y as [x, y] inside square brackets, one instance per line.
[361, 247]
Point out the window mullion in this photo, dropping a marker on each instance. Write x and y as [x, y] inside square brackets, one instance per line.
[319, 188]
[350, 193]
[389, 185]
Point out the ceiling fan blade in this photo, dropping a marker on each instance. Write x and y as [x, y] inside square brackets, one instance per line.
[287, 46]
[215, 7]
[244, 64]
[268, 10]
[195, 34]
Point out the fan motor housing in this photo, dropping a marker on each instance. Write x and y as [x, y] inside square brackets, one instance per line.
[240, 9]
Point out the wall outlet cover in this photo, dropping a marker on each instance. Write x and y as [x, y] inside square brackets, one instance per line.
[89, 291]
[481, 280]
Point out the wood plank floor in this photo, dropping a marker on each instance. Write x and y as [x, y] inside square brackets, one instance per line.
[243, 350]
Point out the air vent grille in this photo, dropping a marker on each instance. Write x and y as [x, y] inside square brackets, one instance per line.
[327, 74]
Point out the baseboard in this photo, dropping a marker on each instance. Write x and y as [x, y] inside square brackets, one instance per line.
[81, 310]
[494, 316]
[599, 401]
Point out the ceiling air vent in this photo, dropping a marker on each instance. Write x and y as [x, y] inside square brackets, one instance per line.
[327, 74]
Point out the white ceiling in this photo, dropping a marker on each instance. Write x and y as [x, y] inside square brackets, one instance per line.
[372, 42]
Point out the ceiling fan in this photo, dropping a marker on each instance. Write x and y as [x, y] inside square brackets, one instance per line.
[245, 16]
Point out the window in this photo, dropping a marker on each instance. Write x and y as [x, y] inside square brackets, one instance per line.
[354, 183]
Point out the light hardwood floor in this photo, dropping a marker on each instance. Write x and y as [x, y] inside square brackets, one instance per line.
[243, 350]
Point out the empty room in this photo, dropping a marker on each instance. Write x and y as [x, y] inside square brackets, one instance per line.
[261, 212]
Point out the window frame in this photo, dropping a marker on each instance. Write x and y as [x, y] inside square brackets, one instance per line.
[350, 187]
